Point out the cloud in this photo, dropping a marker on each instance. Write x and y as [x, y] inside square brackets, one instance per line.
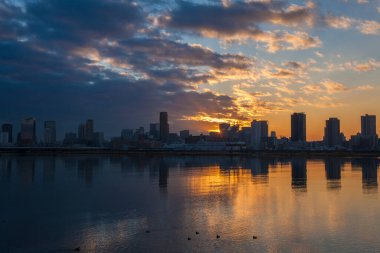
[369, 27]
[241, 21]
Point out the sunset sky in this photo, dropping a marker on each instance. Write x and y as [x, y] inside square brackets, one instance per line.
[204, 62]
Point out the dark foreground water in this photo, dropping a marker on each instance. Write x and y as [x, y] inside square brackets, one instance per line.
[106, 204]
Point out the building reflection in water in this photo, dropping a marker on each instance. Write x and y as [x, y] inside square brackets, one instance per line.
[163, 175]
[86, 169]
[26, 169]
[333, 167]
[6, 169]
[259, 170]
[49, 169]
[369, 175]
[299, 174]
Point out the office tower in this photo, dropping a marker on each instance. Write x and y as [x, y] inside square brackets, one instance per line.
[50, 134]
[332, 136]
[154, 130]
[98, 139]
[298, 127]
[224, 129]
[70, 139]
[7, 133]
[28, 131]
[368, 125]
[369, 138]
[89, 134]
[184, 134]
[259, 134]
[164, 126]
[81, 133]
[127, 134]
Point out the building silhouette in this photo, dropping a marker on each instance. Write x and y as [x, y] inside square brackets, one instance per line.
[259, 134]
[369, 138]
[28, 132]
[89, 134]
[164, 127]
[50, 132]
[332, 137]
[224, 129]
[7, 134]
[184, 134]
[154, 130]
[298, 127]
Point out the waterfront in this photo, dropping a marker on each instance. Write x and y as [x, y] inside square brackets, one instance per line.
[108, 203]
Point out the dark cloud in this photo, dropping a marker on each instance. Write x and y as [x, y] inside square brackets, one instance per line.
[236, 17]
[242, 20]
[83, 20]
[101, 59]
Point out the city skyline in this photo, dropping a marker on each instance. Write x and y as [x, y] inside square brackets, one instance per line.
[258, 130]
[253, 60]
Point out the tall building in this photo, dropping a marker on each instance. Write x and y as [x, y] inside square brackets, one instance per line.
[224, 129]
[28, 131]
[50, 132]
[164, 127]
[368, 125]
[7, 133]
[184, 134]
[259, 134]
[369, 138]
[127, 134]
[89, 134]
[332, 136]
[154, 130]
[81, 133]
[298, 127]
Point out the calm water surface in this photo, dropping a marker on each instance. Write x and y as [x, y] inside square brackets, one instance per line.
[106, 204]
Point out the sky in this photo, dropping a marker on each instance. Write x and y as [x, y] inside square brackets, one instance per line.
[121, 62]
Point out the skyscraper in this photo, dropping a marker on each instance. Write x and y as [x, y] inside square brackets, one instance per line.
[369, 138]
[164, 126]
[259, 134]
[154, 130]
[332, 136]
[298, 127]
[224, 129]
[28, 131]
[89, 134]
[6, 134]
[81, 133]
[368, 125]
[50, 132]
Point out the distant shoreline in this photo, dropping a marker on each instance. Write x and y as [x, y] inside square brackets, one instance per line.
[107, 151]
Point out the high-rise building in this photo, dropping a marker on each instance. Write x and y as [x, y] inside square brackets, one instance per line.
[81, 133]
[164, 126]
[224, 129]
[184, 134]
[50, 132]
[259, 134]
[332, 136]
[369, 138]
[154, 130]
[127, 134]
[89, 135]
[7, 133]
[28, 132]
[368, 125]
[298, 127]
